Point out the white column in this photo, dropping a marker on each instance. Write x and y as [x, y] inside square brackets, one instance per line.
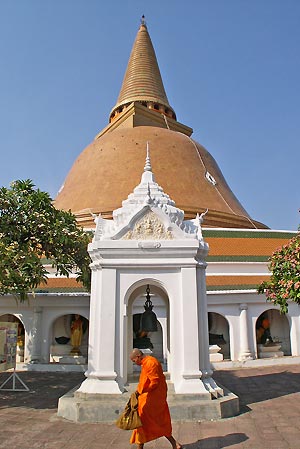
[102, 361]
[205, 365]
[35, 336]
[245, 352]
[295, 335]
[187, 379]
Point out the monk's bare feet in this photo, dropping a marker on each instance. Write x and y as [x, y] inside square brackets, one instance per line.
[175, 444]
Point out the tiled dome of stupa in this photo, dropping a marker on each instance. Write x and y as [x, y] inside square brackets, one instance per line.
[110, 167]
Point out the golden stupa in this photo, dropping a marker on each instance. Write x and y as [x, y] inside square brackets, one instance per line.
[108, 169]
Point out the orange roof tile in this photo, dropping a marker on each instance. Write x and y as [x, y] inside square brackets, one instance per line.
[235, 280]
[244, 246]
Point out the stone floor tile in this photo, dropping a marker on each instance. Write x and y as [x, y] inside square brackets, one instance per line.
[270, 406]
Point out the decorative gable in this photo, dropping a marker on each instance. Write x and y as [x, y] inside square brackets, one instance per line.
[149, 227]
[148, 214]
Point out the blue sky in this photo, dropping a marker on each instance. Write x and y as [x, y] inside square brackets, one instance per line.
[230, 69]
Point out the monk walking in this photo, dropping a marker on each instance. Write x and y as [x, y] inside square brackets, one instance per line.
[153, 408]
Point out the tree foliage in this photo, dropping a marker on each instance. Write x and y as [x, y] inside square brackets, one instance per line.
[32, 230]
[284, 284]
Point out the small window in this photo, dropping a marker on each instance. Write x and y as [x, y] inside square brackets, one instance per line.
[210, 178]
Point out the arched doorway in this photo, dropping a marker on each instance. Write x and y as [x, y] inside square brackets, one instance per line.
[156, 342]
[10, 318]
[272, 334]
[69, 339]
[218, 329]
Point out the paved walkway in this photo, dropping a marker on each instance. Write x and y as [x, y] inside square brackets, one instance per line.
[269, 418]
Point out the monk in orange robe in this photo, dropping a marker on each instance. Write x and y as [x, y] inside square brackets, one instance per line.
[153, 408]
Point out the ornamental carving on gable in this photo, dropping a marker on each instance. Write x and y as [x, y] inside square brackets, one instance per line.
[149, 227]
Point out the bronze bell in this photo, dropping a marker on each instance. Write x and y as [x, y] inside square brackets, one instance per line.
[148, 318]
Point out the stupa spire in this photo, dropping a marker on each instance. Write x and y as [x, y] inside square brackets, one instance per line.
[142, 81]
[148, 162]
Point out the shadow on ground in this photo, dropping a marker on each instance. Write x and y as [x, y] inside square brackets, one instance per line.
[44, 389]
[260, 387]
[218, 442]
[248, 384]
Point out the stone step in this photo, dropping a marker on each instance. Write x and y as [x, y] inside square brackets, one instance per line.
[81, 407]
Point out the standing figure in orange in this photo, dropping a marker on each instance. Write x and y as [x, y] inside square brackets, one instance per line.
[153, 408]
[76, 334]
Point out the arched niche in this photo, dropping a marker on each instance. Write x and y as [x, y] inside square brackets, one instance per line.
[273, 328]
[10, 318]
[160, 339]
[61, 337]
[218, 329]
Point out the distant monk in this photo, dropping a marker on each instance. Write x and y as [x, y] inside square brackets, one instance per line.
[153, 408]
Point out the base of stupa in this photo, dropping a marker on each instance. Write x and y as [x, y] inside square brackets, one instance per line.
[94, 408]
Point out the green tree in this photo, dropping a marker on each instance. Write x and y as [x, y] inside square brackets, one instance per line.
[284, 284]
[32, 230]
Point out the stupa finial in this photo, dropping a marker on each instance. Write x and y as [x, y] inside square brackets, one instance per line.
[148, 162]
[142, 81]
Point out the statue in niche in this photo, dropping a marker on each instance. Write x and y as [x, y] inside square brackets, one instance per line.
[20, 342]
[21, 335]
[263, 333]
[76, 334]
[214, 339]
[140, 337]
[142, 341]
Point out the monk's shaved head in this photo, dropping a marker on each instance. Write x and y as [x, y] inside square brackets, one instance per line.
[135, 353]
[137, 356]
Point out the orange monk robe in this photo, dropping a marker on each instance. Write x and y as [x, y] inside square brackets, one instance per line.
[153, 408]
